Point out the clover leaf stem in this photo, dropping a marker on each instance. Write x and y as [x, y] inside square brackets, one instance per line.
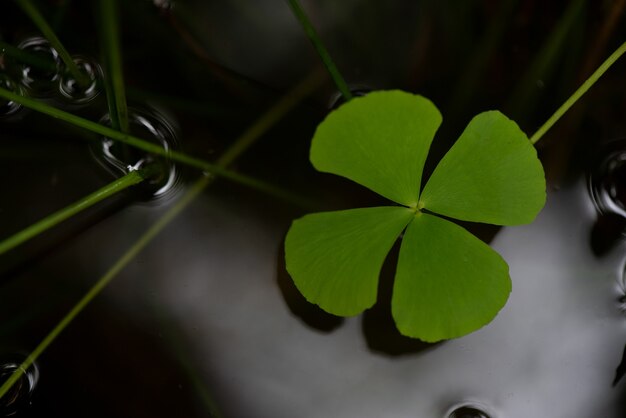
[579, 93]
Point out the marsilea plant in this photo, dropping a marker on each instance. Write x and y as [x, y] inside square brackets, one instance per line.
[448, 282]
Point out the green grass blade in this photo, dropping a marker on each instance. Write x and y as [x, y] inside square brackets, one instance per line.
[153, 148]
[110, 40]
[29, 8]
[27, 58]
[579, 93]
[145, 239]
[276, 113]
[320, 48]
[54, 219]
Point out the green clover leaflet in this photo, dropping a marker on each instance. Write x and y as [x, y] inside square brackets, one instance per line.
[448, 283]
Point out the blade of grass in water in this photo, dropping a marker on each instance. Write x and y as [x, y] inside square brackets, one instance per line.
[26, 58]
[579, 93]
[320, 48]
[276, 113]
[49, 34]
[130, 179]
[153, 148]
[110, 40]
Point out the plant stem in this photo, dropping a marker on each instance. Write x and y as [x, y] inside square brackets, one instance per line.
[274, 114]
[47, 31]
[578, 93]
[110, 39]
[152, 148]
[320, 48]
[306, 87]
[132, 252]
[26, 58]
[54, 219]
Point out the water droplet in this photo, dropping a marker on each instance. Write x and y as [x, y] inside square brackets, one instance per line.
[70, 88]
[468, 411]
[19, 396]
[9, 107]
[119, 158]
[337, 98]
[40, 81]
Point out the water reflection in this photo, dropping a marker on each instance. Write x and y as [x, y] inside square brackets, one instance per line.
[19, 396]
[72, 91]
[607, 187]
[551, 352]
[40, 81]
[468, 411]
[119, 158]
[9, 108]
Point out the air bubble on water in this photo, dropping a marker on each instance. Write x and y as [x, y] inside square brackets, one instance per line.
[150, 125]
[72, 91]
[9, 108]
[468, 410]
[19, 396]
[337, 98]
[39, 81]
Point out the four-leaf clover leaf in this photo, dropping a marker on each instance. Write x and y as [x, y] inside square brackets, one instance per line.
[448, 283]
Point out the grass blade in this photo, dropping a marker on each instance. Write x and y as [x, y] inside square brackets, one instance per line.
[320, 48]
[110, 40]
[276, 113]
[29, 8]
[130, 179]
[579, 93]
[152, 148]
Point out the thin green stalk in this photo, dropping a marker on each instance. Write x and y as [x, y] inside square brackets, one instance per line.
[130, 179]
[578, 93]
[27, 58]
[110, 39]
[275, 114]
[195, 190]
[301, 91]
[320, 48]
[152, 148]
[39, 21]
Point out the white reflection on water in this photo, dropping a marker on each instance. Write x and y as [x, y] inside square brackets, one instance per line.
[552, 351]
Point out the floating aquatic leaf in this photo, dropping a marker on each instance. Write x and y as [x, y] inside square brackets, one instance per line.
[491, 174]
[335, 257]
[448, 283]
[380, 141]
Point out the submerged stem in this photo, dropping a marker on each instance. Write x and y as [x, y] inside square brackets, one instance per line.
[130, 179]
[110, 39]
[151, 147]
[320, 48]
[277, 112]
[39, 21]
[579, 93]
